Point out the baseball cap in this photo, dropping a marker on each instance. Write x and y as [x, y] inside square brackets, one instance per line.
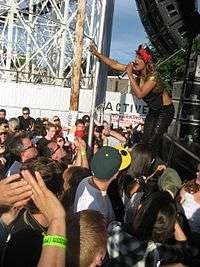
[170, 180]
[107, 161]
[126, 157]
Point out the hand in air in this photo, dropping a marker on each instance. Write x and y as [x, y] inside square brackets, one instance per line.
[80, 144]
[161, 167]
[14, 191]
[93, 48]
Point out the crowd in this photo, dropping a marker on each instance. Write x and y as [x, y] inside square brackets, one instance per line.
[64, 204]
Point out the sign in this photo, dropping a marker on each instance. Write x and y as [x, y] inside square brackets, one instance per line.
[125, 120]
[48, 101]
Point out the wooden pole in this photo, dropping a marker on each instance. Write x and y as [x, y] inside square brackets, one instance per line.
[77, 57]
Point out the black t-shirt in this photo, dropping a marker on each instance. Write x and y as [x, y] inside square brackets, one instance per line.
[25, 124]
[23, 249]
[25, 244]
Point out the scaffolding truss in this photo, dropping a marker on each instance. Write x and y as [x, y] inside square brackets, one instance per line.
[37, 40]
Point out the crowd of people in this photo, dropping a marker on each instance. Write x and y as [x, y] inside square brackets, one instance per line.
[63, 204]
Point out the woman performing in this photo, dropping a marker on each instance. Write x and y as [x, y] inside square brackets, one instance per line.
[147, 85]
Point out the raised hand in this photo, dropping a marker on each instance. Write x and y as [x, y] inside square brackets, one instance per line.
[44, 199]
[14, 191]
[93, 49]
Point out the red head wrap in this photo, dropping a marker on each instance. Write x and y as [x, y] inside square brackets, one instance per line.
[144, 54]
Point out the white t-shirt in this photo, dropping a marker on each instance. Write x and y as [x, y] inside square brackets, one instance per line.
[192, 212]
[89, 197]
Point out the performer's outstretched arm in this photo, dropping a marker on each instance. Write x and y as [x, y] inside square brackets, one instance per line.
[113, 64]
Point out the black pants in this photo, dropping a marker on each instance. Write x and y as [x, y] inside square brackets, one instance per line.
[156, 124]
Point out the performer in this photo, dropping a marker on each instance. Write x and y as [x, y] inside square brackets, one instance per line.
[146, 84]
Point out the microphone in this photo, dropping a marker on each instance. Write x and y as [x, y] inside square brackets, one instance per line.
[124, 73]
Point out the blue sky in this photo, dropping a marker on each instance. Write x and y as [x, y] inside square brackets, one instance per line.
[127, 31]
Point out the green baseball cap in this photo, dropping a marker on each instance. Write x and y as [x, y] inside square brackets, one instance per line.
[107, 162]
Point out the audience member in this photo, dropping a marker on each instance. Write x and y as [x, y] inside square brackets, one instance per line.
[25, 121]
[91, 192]
[72, 178]
[86, 231]
[25, 244]
[20, 149]
[190, 200]
[14, 125]
[49, 136]
[146, 245]
[119, 208]
[3, 115]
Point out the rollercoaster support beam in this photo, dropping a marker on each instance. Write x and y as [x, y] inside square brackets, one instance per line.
[63, 39]
[91, 31]
[10, 36]
[28, 43]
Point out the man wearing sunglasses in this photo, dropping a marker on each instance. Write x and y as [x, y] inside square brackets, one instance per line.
[25, 121]
[22, 149]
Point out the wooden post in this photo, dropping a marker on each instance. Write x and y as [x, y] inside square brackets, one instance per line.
[77, 57]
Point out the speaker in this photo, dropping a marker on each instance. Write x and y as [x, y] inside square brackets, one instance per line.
[190, 111]
[194, 67]
[192, 91]
[190, 131]
[167, 23]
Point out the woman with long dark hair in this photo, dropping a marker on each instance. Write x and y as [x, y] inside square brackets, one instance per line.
[146, 84]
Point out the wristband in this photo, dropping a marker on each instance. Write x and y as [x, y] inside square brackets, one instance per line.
[55, 241]
[83, 152]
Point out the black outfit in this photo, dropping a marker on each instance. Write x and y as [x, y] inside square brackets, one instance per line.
[159, 116]
[24, 124]
[23, 248]
[41, 145]
[126, 250]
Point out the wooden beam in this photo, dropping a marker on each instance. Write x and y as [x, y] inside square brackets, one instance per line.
[77, 57]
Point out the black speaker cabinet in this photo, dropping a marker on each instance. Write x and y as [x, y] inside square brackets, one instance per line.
[167, 23]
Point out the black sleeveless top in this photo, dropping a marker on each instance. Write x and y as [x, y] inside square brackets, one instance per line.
[154, 97]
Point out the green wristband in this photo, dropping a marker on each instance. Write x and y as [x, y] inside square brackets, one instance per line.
[55, 240]
[83, 152]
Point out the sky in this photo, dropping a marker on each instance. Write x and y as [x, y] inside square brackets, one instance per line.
[127, 31]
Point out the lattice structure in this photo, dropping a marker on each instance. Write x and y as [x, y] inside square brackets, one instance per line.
[37, 39]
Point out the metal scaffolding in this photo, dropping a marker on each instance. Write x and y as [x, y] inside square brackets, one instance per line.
[37, 40]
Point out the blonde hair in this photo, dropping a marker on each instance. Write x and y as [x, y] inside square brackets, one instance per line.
[150, 68]
[87, 235]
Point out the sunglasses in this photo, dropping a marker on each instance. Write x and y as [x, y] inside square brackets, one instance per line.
[3, 133]
[53, 152]
[56, 120]
[25, 113]
[31, 146]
